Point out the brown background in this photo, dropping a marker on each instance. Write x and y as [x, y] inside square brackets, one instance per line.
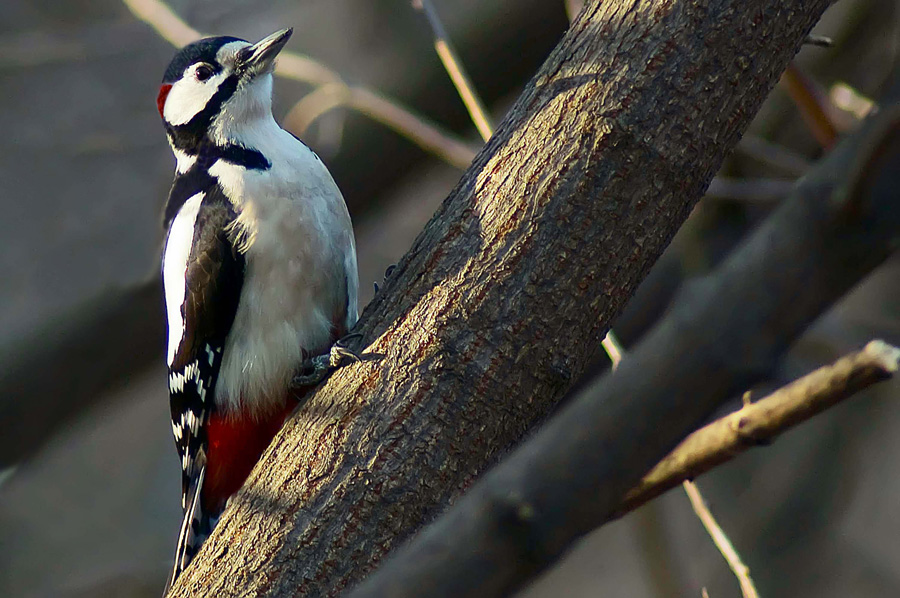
[84, 170]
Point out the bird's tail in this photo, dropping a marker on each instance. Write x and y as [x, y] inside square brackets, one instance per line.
[196, 526]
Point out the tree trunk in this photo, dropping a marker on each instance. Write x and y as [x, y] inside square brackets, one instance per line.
[717, 340]
[508, 291]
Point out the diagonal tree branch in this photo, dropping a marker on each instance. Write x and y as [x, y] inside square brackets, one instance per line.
[760, 422]
[840, 222]
[506, 295]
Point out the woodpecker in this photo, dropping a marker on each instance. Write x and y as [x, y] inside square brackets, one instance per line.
[259, 270]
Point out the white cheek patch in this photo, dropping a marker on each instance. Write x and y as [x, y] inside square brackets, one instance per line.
[190, 96]
[175, 260]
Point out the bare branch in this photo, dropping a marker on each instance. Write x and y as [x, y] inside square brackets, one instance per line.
[314, 104]
[840, 223]
[721, 540]
[773, 156]
[813, 104]
[761, 422]
[166, 23]
[847, 99]
[545, 237]
[455, 69]
[291, 65]
[822, 41]
[414, 127]
[613, 348]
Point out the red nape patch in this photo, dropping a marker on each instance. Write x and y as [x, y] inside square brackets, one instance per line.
[235, 445]
[161, 98]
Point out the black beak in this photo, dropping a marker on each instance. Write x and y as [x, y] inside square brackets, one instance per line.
[260, 57]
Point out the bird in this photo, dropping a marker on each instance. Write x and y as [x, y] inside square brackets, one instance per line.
[259, 271]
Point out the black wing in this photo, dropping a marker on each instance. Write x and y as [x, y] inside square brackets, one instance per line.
[212, 277]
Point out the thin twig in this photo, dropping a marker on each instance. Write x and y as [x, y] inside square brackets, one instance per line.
[166, 23]
[315, 104]
[416, 128]
[301, 68]
[813, 105]
[760, 422]
[388, 112]
[455, 69]
[741, 571]
[479, 118]
[846, 98]
[822, 41]
[613, 348]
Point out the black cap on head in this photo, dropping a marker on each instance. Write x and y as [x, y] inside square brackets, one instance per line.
[203, 50]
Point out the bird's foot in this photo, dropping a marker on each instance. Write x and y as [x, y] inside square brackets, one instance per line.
[315, 369]
[387, 274]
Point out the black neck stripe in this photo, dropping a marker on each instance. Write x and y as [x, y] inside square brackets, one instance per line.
[186, 185]
[192, 137]
[197, 179]
[189, 136]
[243, 156]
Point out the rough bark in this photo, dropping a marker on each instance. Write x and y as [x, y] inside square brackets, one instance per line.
[728, 333]
[507, 293]
[115, 336]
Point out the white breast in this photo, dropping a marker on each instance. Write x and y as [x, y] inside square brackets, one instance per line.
[295, 232]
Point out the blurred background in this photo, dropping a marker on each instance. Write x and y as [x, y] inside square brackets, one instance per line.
[89, 497]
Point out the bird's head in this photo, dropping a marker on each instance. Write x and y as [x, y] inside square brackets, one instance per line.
[217, 84]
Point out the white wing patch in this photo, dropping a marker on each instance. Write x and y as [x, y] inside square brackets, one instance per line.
[175, 260]
[183, 161]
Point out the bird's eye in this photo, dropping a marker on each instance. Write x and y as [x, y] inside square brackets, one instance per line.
[203, 72]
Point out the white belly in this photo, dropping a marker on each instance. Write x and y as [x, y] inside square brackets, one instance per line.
[300, 275]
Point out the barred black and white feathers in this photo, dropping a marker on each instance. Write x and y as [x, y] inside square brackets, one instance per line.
[259, 268]
[203, 274]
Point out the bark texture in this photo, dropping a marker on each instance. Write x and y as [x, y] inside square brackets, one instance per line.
[719, 339]
[508, 291]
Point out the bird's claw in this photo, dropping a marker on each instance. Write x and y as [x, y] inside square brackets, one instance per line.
[387, 274]
[340, 349]
[317, 368]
